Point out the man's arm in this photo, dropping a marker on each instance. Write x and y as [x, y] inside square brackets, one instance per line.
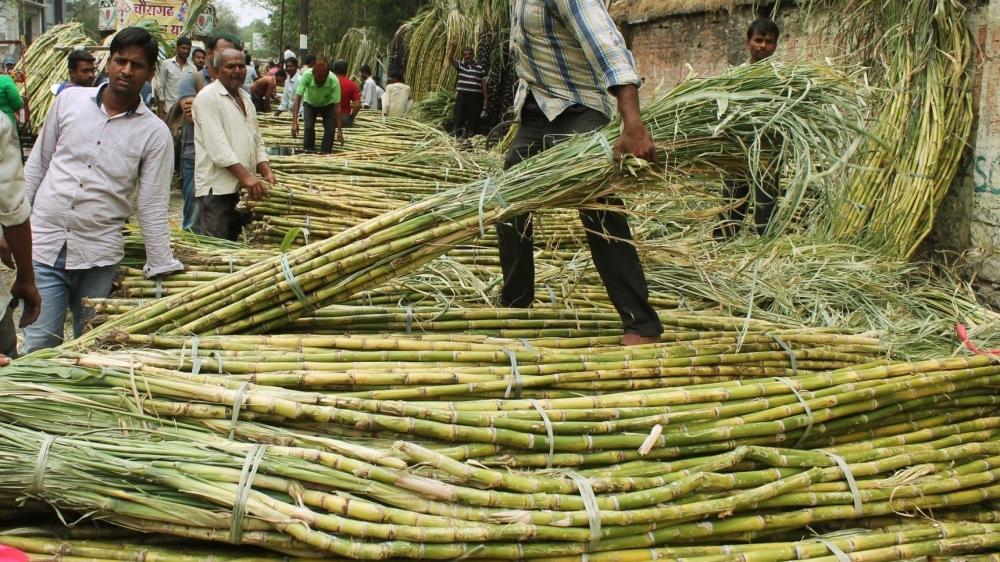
[295, 115]
[605, 48]
[41, 153]
[152, 204]
[14, 216]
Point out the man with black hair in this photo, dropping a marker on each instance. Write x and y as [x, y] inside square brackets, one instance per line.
[198, 58]
[308, 62]
[472, 94]
[82, 71]
[370, 91]
[263, 90]
[291, 84]
[762, 41]
[172, 72]
[99, 150]
[186, 92]
[350, 94]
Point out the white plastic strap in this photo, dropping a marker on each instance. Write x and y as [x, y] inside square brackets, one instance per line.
[237, 405]
[514, 383]
[38, 480]
[409, 319]
[590, 504]
[231, 263]
[549, 432]
[608, 151]
[250, 465]
[527, 344]
[218, 359]
[805, 405]
[158, 283]
[293, 283]
[855, 491]
[195, 358]
[552, 295]
[788, 349]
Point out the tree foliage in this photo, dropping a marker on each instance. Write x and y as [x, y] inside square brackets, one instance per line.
[329, 20]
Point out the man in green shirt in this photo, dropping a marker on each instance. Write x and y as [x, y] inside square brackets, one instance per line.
[319, 95]
[10, 98]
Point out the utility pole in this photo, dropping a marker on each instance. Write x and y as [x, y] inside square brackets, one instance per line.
[303, 28]
[281, 33]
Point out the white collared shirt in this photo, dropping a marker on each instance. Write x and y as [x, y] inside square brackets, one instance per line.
[168, 78]
[89, 172]
[223, 136]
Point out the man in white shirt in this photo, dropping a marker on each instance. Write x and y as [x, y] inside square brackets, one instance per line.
[171, 74]
[99, 149]
[15, 246]
[291, 84]
[396, 101]
[228, 147]
[370, 92]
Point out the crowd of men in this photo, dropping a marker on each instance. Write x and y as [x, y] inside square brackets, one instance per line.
[109, 151]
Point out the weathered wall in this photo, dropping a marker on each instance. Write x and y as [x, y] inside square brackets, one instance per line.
[667, 49]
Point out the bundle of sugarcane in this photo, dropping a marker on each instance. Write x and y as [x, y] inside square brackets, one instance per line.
[360, 46]
[43, 65]
[436, 109]
[700, 349]
[161, 450]
[439, 28]
[805, 104]
[924, 118]
[370, 138]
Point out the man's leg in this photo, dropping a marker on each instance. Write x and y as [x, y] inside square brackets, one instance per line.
[309, 135]
[192, 211]
[53, 284]
[93, 283]
[8, 335]
[458, 127]
[765, 199]
[329, 114]
[219, 217]
[475, 109]
[515, 237]
[610, 241]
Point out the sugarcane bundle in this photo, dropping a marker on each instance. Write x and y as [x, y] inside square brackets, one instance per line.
[668, 468]
[360, 46]
[701, 125]
[924, 117]
[437, 109]
[43, 65]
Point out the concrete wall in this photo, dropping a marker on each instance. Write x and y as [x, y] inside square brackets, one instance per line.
[666, 50]
[8, 21]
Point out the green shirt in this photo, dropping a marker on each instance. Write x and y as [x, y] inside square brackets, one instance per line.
[10, 98]
[319, 96]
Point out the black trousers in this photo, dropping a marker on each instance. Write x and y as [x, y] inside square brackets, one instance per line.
[329, 115]
[468, 108]
[765, 195]
[219, 217]
[608, 233]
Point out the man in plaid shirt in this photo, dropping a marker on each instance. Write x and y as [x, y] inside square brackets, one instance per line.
[575, 74]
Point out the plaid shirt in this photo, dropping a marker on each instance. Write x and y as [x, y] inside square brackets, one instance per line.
[568, 52]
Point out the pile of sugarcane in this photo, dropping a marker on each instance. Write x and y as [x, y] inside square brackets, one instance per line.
[360, 46]
[437, 109]
[814, 103]
[43, 65]
[509, 450]
[922, 118]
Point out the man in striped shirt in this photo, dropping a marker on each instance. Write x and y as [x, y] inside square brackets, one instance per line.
[575, 74]
[472, 94]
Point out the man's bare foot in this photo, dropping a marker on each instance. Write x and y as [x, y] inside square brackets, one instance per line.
[636, 339]
[4, 360]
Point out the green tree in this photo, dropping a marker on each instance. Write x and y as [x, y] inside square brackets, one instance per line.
[85, 12]
[330, 19]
